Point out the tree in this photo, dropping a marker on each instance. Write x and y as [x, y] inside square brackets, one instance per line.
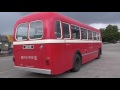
[110, 34]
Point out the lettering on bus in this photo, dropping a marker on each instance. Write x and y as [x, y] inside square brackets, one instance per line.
[29, 57]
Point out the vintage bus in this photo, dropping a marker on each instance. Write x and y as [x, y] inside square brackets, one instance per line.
[51, 43]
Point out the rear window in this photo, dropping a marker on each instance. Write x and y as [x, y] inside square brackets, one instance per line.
[36, 30]
[22, 31]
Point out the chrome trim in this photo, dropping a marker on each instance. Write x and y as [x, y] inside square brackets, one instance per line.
[36, 70]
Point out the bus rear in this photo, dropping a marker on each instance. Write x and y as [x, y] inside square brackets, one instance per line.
[28, 45]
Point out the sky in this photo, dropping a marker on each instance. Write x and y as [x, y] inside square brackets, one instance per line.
[95, 19]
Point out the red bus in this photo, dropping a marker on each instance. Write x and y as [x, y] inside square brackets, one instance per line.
[51, 43]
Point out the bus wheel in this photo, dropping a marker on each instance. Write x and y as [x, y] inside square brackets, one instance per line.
[76, 63]
[99, 53]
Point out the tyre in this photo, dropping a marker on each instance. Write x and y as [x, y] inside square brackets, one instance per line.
[76, 63]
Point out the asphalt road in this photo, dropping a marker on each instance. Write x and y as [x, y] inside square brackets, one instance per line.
[108, 66]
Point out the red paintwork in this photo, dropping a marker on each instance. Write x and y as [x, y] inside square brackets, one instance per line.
[61, 56]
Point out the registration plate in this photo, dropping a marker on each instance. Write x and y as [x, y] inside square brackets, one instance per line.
[28, 46]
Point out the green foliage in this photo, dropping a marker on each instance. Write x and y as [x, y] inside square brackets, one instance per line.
[110, 34]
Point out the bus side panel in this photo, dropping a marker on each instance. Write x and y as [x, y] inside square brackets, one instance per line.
[86, 50]
[82, 47]
[91, 52]
[96, 47]
[58, 58]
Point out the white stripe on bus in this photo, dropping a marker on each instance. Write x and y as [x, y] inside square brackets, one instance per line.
[47, 41]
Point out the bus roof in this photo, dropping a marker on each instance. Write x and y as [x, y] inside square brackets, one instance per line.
[48, 15]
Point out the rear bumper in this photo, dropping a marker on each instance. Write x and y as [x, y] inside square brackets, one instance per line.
[36, 70]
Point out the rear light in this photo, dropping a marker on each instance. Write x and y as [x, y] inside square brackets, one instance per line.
[47, 60]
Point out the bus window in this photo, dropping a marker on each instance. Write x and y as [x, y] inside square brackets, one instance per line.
[58, 30]
[83, 33]
[89, 35]
[22, 31]
[36, 30]
[98, 36]
[66, 30]
[94, 36]
[75, 32]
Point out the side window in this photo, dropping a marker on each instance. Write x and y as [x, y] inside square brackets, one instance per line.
[36, 30]
[89, 35]
[94, 36]
[66, 30]
[98, 36]
[83, 33]
[58, 29]
[75, 32]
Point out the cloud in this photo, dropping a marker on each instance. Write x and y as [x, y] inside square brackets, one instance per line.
[95, 19]
[102, 25]
[7, 21]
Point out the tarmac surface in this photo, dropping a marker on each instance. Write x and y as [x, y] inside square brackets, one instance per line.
[108, 66]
